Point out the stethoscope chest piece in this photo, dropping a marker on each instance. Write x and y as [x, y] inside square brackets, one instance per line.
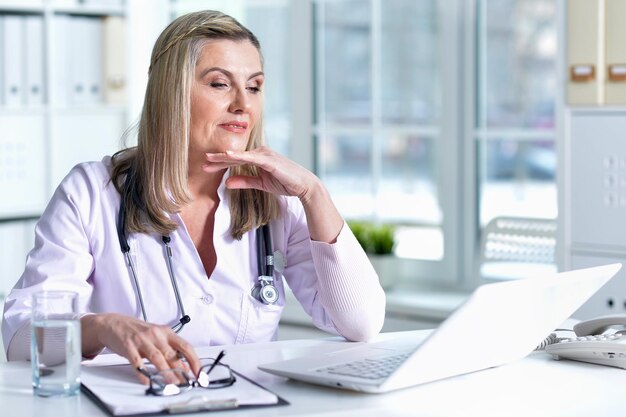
[264, 290]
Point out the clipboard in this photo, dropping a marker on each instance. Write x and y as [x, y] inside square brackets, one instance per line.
[194, 401]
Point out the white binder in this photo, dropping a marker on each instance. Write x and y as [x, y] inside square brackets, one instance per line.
[615, 33]
[114, 53]
[34, 51]
[93, 45]
[60, 88]
[13, 59]
[79, 57]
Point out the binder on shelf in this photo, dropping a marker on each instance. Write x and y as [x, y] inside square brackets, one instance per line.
[34, 51]
[114, 60]
[584, 59]
[615, 35]
[13, 59]
[60, 88]
[79, 56]
[93, 58]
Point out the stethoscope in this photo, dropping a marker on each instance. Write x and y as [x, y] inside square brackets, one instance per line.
[264, 290]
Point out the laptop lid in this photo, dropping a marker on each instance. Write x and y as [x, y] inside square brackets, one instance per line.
[499, 323]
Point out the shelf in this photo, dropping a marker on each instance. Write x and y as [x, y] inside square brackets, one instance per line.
[90, 10]
[25, 7]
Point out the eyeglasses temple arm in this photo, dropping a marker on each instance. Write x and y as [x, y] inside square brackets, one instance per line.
[216, 361]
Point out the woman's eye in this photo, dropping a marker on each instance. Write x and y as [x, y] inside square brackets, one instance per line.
[218, 85]
[254, 89]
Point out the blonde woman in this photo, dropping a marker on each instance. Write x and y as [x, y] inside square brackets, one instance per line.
[189, 238]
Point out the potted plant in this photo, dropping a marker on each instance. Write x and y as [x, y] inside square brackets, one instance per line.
[378, 241]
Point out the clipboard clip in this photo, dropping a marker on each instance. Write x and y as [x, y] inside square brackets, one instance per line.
[201, 403]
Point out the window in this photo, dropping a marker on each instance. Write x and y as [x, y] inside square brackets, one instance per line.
[396, 117]
[385, 122]
[515, 124]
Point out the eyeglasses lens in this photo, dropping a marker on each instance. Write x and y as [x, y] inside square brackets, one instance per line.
[220, 376]
[170, 382]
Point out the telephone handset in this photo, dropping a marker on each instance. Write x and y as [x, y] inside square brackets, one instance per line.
[599, 325]
[601, 340]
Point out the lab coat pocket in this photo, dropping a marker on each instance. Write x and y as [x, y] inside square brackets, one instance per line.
[258, 321]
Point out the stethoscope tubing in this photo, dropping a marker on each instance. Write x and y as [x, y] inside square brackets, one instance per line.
[265, 259]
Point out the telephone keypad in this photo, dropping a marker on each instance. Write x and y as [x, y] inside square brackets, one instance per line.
[597, 338]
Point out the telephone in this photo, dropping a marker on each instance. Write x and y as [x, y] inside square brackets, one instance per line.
[601, 340]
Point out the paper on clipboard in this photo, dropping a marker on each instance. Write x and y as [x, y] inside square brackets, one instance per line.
[117, 388]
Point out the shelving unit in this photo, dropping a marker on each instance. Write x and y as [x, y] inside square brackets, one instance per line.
[592, 154]
[40, 142]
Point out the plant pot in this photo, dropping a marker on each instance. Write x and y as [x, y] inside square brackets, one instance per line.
[386, 268]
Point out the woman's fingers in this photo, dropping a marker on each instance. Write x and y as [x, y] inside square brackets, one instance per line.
[188, 352]
[277, 174]
[240, 181]
[136, 361]
[137, 340]
[261, 157]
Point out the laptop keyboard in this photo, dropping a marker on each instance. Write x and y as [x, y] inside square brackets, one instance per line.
[368, 368]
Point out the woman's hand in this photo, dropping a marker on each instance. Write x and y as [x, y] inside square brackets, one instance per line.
[137, 340]
[279, 175]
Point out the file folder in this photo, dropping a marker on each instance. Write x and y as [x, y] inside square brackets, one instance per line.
[34, 50]
[60, 88]
[585, 85]
[79, 56]
[93, 59]
[615, 38]
[114, 52]
[13, 60]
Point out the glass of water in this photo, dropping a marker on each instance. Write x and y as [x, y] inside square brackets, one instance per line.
[55, 343]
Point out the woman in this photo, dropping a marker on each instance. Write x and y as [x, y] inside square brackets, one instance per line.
[166, 236]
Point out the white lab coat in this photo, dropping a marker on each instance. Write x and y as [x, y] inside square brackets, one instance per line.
[77, 249]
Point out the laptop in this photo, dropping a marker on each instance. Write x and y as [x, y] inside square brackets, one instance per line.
[499, 323]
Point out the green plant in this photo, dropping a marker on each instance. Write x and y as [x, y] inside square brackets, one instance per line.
[378, 239]
[382, 239]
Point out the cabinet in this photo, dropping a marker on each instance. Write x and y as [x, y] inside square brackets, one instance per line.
[63, 100]
[593, 200]
[592, 149]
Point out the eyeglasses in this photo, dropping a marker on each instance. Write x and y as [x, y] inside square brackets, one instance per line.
[175, 381]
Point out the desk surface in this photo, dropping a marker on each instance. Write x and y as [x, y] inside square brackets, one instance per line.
[534, 386]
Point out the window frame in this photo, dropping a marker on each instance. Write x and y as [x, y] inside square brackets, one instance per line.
[450, 151]
[458, 176]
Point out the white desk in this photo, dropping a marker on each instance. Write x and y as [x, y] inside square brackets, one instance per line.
[535, 386]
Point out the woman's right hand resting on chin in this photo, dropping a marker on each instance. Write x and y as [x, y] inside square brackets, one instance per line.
[137, 340]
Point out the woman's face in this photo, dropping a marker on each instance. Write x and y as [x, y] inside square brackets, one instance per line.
[226, 99]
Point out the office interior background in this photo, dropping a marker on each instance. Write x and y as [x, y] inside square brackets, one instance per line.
[488, 133]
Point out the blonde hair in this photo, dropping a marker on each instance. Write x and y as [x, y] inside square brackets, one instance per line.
[152, 177]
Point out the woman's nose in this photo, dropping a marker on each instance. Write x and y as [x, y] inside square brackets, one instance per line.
[240, 102]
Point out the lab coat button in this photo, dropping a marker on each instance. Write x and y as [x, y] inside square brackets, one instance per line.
[207, 299]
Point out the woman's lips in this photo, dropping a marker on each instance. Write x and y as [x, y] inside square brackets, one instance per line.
[235, 127]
